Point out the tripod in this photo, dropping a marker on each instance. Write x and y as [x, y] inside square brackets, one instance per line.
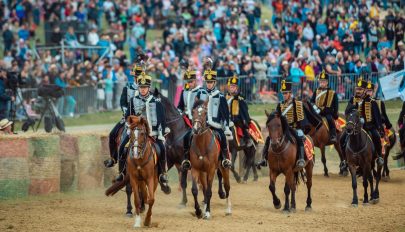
[17, 96]
[53, 115]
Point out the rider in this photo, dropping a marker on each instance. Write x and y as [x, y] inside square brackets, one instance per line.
[381, 106]
[296, 116]
[187, 99]
[370, 117]
[218, 114]
[239, 112]
[326, 104]
[129, 91]
[150, 107]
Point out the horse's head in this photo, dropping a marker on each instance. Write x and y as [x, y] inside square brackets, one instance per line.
[139, 132]
[199, 116]
[275, 127]
[353, 124]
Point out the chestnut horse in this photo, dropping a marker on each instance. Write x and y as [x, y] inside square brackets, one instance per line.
[141, 168]
[204, 154]
[360, 152]
[320, 136]
[282, 155]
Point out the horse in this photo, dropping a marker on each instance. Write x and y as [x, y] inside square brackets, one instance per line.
[141, 168]
[282, 155]
[360, 152]
[174, 147]
[388, 147]
[204, 154]
[320, 136]
[248, 159]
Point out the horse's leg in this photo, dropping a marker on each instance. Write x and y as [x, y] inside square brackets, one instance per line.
[325, 168]
[365, 184]
[194, 191]
[385, 171]
[272, 188]
[289, 178]
[255, 175]
[234, 153]
[308, 171]
[355, 200]
[128, 190]
[151, 200]
[371, 183]
[143, 196]
[377, 183]
[227, 186]
[293, 188]
[208, 192]
[135, 190]
[248, 166]
[183, 183]
[221, 192]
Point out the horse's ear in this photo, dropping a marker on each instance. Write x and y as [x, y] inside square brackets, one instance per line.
[267, 113]
[156, 92]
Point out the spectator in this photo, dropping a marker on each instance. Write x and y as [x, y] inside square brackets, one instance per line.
[4, 98]
[56, 36]
[70, 38]
[108, 89]
[93, 37]
[260, 71]
[5, 126]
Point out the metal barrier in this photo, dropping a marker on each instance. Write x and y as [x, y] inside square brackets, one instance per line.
[85, 99]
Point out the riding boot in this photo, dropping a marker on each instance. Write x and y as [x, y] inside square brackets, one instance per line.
[226, 163]
[301, 152]
[333, 138]
[263, 162]
[122, 170]
[185, 164]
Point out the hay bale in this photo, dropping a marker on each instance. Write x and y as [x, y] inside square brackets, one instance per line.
[14, 180]
[13, 147]
[90, 162]
[69, 162]
[44, 165]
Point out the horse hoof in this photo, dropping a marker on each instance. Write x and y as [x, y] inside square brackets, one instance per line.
[366, 204]
[207, 216]
[198, 213]
[166, 189]
[137, 221]
[308, 209]
[375, 201]
[326, 175]
[286, 211]
[244, 182]
[237, 178]
[146, 223]
[221, 195]
[256, 178]
[129, 214]
[277, 206]
[385, 178]
[293, 210]
[355, 205]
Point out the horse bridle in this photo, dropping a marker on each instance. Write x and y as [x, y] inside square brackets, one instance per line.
[200, 130]
[355, 126]
[135, 146]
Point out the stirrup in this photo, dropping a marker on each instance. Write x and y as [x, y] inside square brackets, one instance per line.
[333, 139]
[186, 165]
[109, 163]
[119, 178]
[226, 163]
[300, 164]
[380, 161]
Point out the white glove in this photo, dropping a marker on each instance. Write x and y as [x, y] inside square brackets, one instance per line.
[300, 133]
[228, 133]
[362, 121]
[317, 110]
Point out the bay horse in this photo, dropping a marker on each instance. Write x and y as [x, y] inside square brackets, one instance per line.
[388, 147]
[320, 136]
[360, 152]
[174, 148]
[248, 158]
[282, 156]
[204, 158]
[141, 168]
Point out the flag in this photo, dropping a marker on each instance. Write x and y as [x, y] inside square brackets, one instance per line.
[390, 85]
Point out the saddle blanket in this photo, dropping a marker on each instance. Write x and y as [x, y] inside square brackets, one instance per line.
[309, 148]
[254, 132]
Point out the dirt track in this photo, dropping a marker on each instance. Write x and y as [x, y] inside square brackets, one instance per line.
[252, 210]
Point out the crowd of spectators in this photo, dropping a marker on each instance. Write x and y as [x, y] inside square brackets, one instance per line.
[346, 38]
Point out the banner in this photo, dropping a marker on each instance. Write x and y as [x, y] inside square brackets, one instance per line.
[392, 85]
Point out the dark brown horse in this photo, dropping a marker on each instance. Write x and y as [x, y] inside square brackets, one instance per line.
[204, 154]
[320, 136]
[388, 147]
[282, 156]
[360, 152]
[141, 168]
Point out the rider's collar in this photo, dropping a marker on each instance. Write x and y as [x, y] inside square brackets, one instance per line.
[144, 97]
[211, 90]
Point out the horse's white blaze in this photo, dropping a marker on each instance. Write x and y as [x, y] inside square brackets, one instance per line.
[229, 206]
[195, 126]
[136, 132]
[137, 221]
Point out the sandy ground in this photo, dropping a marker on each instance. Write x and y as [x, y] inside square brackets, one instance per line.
[252, 210]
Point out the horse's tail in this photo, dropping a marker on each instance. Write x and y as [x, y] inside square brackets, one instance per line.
[117, 186]
[300, 175]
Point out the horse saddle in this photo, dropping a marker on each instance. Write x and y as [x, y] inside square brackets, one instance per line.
[340, 123]
[309, 148]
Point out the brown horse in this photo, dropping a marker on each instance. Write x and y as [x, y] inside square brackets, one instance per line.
[204, 153]
[320, 136]
[360, 152]
[282, 155]
[141, 168]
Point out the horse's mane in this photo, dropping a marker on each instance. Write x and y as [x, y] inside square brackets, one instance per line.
[171, 110]
[198, 103]
[284, 124]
